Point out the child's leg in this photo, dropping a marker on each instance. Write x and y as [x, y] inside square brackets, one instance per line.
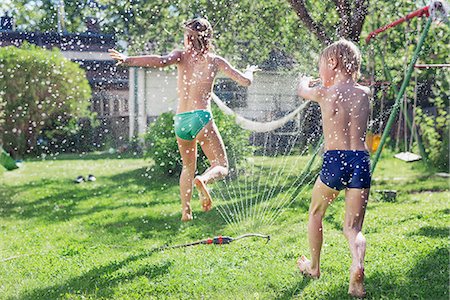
[214, 149]
[188, 151]
[322, 196]
[355, 208]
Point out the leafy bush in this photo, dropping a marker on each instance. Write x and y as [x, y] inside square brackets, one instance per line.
[161, 144]
[44, 92]
[435, 134]
[79, 135]
[2, 116]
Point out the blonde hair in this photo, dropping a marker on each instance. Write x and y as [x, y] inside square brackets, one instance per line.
[199, 32]
[347, 56]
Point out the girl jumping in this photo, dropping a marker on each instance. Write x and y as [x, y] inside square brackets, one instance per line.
[197, 69]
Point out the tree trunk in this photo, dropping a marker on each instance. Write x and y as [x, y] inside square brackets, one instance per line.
[344, 10]
[305, 17]
[350, 24]
[359, 15]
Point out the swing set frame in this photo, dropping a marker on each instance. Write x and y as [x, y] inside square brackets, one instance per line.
[422, 12]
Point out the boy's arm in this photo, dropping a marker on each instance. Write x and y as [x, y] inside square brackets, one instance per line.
[308, 89]
[150, 61]
[244, 79]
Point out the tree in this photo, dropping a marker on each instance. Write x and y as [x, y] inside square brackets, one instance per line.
[155, 26]
[348, 25]
[42, 89]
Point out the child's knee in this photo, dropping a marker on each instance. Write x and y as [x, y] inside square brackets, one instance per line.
[316, 212]
[224, 170]
[223, 164]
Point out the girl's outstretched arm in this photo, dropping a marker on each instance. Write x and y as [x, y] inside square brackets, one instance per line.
[244, 79]
[149, 61]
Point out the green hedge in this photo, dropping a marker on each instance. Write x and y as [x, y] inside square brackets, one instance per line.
[44, 93]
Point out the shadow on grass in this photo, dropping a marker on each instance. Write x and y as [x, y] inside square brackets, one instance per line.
[295, 290]
[86, 156]
[165, 227]
[63, 201]
[427, 279]
[100, 281]
[62, 204]
[433, 232]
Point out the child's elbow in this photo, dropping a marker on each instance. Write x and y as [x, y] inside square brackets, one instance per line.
[247, 82]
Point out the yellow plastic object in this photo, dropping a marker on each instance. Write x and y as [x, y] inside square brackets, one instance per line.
[373, 141]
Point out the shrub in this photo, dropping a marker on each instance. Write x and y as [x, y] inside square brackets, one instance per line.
[43, 92]
[435, 134]
[79, 135]
[161, 144]
[2, 116]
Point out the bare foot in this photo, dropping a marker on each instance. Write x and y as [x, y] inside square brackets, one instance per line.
[356, 287]
[205, 197]
[186, 213]
[186, 217]
[304, 265]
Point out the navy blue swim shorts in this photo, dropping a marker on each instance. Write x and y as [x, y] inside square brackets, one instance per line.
[346, 169]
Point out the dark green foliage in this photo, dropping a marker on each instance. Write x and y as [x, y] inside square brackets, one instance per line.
[44, 94]
[235, 138]
[2, 116]
[79, 135]
[161, 144]
[435, 134]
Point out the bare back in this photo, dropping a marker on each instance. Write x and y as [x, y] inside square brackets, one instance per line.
[196, 78]
[195, 81]
[345, 112]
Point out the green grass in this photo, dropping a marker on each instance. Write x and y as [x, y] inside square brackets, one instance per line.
[60, 240]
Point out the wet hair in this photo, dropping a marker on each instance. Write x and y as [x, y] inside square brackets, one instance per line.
[199, 32]
[347, 56]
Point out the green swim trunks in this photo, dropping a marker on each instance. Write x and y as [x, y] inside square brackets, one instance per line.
[188, 124]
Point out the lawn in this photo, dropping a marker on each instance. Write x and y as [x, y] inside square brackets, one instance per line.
[96, 240]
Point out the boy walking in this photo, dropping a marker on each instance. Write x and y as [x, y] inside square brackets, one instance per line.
[346, 164]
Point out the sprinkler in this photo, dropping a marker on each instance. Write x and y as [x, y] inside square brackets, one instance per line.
[218, 240]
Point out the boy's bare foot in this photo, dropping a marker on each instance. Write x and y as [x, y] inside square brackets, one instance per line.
[205, 197]
[185, 217]
[356, 287]
[304, 265]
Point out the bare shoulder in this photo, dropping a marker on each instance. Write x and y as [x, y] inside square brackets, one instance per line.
[217, 59]
[327, 93]
[365, 90]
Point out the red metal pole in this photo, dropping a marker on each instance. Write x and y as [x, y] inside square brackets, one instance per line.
[424, 11]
